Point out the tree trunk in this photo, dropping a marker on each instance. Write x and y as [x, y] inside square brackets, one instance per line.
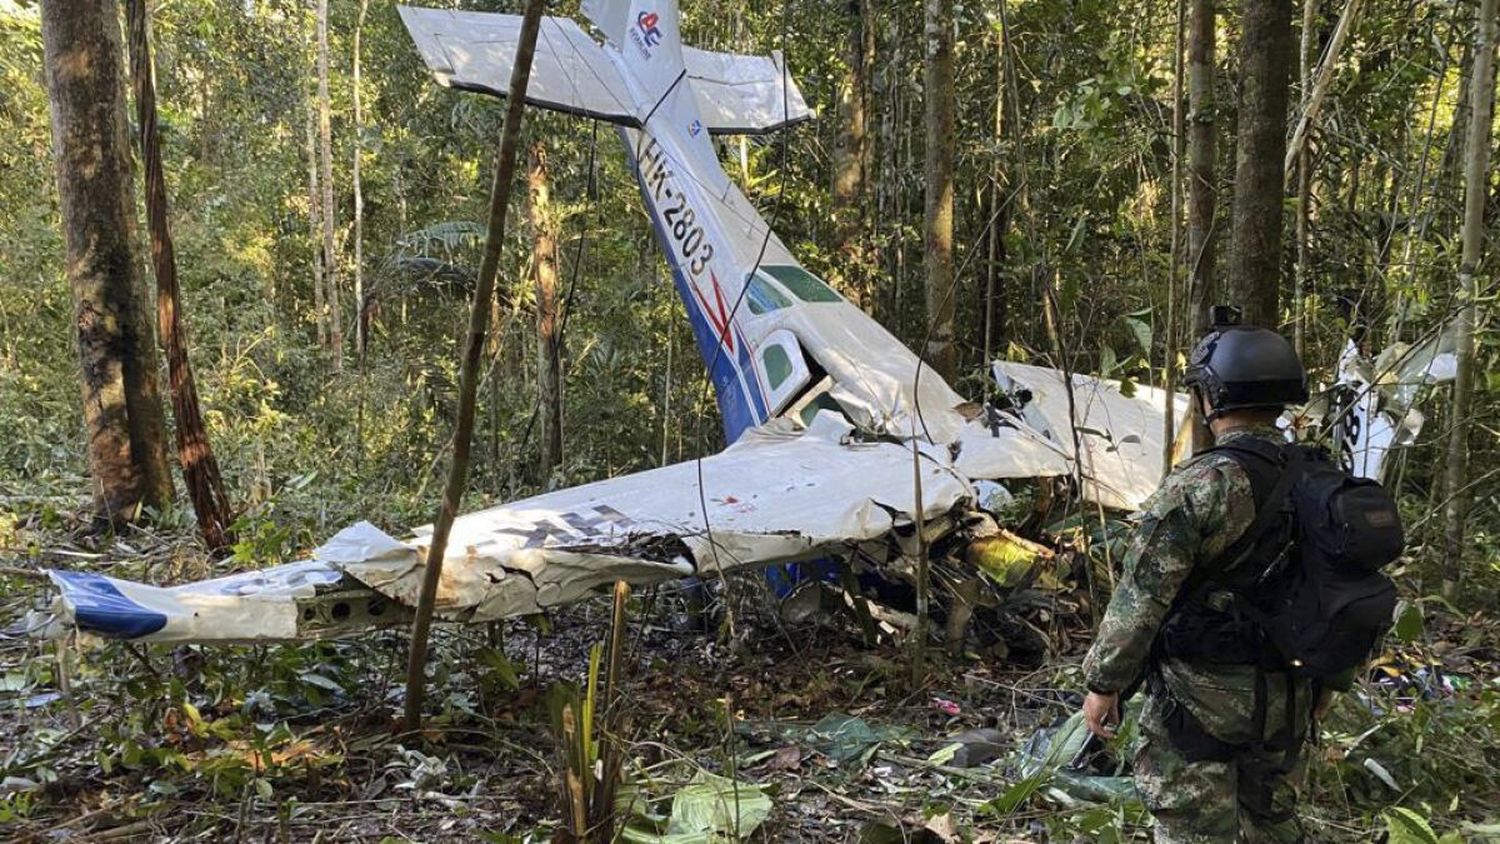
[867, 148]
[1304, 182]
[849, 147]
[1312, 95]
[549, 355]
[200, 469]
[361, 319]
[325, 156]
[122, 407]
[1260, 174]
[1174, 273]
[315, 225]
[1476, 188]
[1202, 192]
[998, 220]
[938, 95]
[484, 291]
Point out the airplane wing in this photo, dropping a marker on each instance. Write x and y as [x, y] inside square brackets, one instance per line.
[776, 496]
[1120, 436]
[572, 73]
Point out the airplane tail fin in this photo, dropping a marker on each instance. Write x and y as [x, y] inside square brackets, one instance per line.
[646, 34]
[610, 16]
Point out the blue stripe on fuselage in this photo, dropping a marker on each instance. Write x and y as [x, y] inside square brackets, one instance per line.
[100, 607]
[736, 387]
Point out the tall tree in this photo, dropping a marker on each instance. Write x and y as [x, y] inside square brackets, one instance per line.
[1174, 273]
[122, 407]
[939, 99]
[1266, 50]
[993, 311]
[361, 323]
[849, 158]
[543, 221]
[1202, 188]
[200, 469]
[325, 158]
[1476, 188]
[1304, 180]
[315, 223]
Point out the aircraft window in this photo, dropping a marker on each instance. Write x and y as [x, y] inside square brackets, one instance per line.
[803, 284]
[763, 298]
[778, 365]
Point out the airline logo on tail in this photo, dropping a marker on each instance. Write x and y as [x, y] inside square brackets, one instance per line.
[646, 33]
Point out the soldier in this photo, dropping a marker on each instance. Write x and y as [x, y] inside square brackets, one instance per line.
[1218, 734]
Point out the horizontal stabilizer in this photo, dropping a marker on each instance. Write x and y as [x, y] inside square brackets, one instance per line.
[573, 73]
[744, 95]
[474, 51]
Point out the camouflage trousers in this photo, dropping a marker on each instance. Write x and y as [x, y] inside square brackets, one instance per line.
[1245, 799]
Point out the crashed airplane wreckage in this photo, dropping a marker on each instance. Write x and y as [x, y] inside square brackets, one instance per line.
[829, 418]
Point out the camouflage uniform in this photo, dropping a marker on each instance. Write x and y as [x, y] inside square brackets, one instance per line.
[1200, 509]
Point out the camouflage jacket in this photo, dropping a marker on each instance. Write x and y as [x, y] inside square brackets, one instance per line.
[1201, 508]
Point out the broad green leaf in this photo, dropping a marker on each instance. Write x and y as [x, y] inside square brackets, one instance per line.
[1409, 623]
[709, 808]
[1405, 826]
[1142, 332]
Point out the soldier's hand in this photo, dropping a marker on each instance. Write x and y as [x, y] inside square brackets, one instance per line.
[1101, 713]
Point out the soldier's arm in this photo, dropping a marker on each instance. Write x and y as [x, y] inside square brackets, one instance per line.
[1171, 535]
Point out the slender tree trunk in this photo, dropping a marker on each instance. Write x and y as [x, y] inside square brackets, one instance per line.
[938, 95]
[484, 291]
[1202, 188]
[325, 156]
[1174, 275]
[1476, 189]
[1453, 153]
[200, 469]
[1260, 175]
[122, 408]
[549, 358]
[1304, 182]
[1312, 95]
[361, 319]
[998, 219]
[315, 224]
[867, 163]
[850, 143]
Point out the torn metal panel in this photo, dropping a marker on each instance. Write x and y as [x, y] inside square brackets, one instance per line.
[1120, 436]
[1371, 404]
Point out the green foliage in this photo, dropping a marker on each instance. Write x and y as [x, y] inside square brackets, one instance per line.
[1086, 134]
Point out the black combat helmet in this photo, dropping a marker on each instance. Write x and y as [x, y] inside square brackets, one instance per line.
[1240, 367]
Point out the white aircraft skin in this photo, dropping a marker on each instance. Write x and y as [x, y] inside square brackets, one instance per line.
[824, 411]
[761, 344]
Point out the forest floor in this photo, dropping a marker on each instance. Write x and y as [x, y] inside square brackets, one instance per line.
[300, 742]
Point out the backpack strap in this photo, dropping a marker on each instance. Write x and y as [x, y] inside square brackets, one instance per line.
[1272, 469]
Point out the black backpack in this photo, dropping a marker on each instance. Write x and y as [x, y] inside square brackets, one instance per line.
[1302, 590]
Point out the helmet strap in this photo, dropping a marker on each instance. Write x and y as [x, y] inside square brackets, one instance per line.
[1199, 400]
